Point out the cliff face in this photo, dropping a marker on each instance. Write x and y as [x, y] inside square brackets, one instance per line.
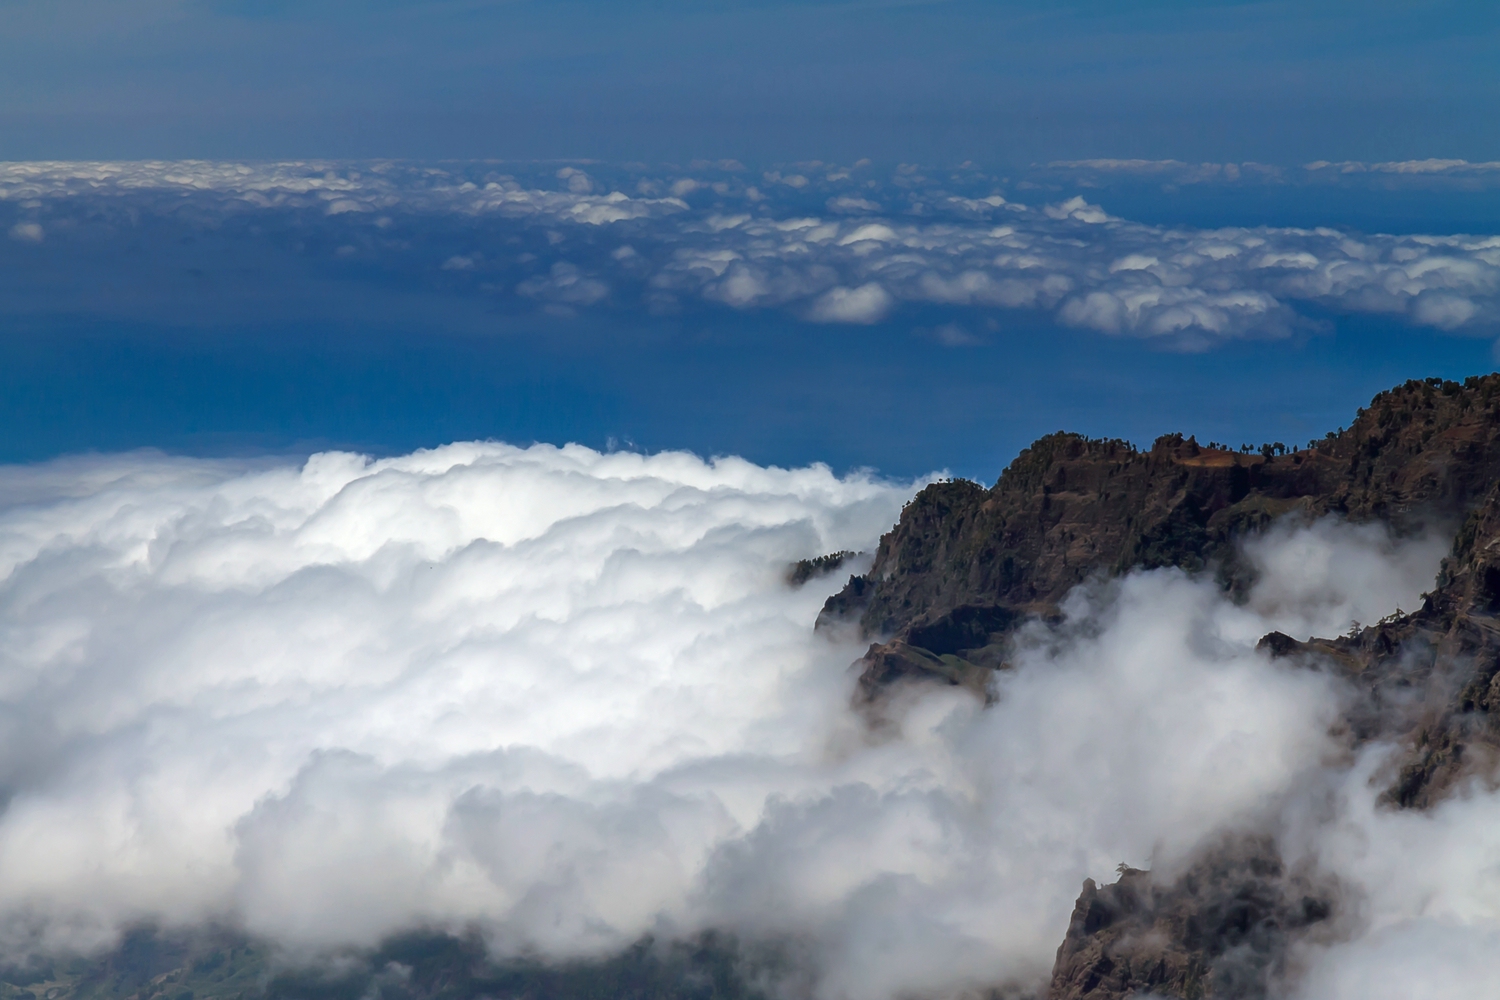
[966, 564]
[1432, 677]
[1219, 930]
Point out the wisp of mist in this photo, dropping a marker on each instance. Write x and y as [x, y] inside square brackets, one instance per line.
[569, 699]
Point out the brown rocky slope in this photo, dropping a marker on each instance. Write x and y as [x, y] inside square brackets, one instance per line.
[965, 565]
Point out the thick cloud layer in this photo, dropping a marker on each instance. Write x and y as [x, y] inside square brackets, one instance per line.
[184, 639]
[570, 698]
[1422, 890]
[823, 243]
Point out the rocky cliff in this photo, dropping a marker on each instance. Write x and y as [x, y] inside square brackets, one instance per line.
[1220, 929]
[966, 564]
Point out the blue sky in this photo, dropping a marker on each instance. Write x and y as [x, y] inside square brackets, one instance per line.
[1277, 81]
[900, 235]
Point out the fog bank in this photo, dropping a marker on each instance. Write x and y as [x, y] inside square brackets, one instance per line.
[569, 698]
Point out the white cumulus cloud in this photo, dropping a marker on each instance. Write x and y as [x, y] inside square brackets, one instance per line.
[906, 240]
[868, 303]
[569, 698]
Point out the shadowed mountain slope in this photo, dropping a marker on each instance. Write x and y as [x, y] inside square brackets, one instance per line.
[966, 565]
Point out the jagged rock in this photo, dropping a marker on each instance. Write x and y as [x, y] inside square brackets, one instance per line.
[1217, 930]
[1278, 645]
[888, 664]
[1424, 453]
[804, 570]
[1430, 677]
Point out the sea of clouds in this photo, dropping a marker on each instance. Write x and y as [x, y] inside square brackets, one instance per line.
[569, 698]
[818, 242]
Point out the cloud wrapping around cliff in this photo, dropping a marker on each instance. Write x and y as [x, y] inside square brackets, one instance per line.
[569, 698]
[1420, 892]
[826, 244]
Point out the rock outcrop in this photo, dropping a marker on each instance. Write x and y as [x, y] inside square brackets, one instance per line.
[1431, 677]
[966, 564]
[1220, 929]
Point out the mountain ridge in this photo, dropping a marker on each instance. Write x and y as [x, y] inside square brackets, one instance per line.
[966, 565]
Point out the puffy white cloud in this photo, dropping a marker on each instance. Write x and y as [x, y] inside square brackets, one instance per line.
[953, 335]
[569, 696]
[1076, 208]
[1428, 166]
[868, 303]
[796, 181]
[565, 284]
[27, 232]
[1425, 959]
[1172, 171]
[851, 205]
[908, 241]
[1318, 579]
[221, 680]
[874, 231]
[1421, 918]
[578, 182]
[334, 188]
[1134, 262]
[1445, 310]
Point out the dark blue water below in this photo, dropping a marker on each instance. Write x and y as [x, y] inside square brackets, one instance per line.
[770, 389]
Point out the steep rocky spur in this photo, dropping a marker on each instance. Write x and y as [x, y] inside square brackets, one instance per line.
[966, 565]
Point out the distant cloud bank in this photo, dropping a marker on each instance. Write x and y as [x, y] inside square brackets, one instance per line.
[822, 243]
[1182, 170]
